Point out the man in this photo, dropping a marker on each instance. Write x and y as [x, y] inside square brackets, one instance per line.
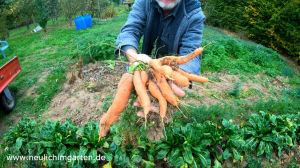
[175, 26]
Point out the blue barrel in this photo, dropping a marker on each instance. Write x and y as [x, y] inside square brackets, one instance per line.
[88, 20]
[80, 23]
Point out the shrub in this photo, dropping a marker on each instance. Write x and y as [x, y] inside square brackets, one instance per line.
[108, 12]
[271, 23]
[4, 33]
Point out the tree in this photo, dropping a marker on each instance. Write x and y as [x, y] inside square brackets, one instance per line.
[54, 9]
[4, 33]
[70, 8]
[42, 12]
[27, 12]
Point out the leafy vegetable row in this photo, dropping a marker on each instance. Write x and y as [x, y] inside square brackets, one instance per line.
[193, 144]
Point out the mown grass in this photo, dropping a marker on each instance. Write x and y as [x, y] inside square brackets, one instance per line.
[45, 57]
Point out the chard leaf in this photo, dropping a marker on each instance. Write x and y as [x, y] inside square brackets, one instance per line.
[226, 154]
[188, 156]
[83, 150]
[93, 154]
[269, 150]
[148, 164]
[194, 164]
[179, 162]
[105, 145]
[204, 158]
[261, 148]
[279, 151]
[288, 140]
[150, 157]
[19, 143]
[117, 140]
[197, 148]
[236, 154]
[108, 156]
[63, 151]
[136, 158]
[217, 164]
[162, 153]
[40, 151]
[107, 165]
[251, 143]
[268, 138]
[173, 156]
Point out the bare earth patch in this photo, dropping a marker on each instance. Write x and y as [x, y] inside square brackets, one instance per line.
[215, 92]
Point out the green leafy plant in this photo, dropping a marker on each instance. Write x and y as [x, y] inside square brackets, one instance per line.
[236, 90]
[180, 145]
[265, 133]
[233, 140]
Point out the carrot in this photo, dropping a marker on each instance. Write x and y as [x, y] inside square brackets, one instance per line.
[120, 101]
[156, 64]
[166, 89]
[177, 60]
[169, 60]
[144, 77]
[186, 58]
[166, 71]
[140, 89]
[179, 79]
[192, 77]
[155, 92]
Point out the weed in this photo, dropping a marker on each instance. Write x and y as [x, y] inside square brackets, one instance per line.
[235, 92]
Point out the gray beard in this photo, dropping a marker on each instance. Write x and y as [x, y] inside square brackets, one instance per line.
[167, 7]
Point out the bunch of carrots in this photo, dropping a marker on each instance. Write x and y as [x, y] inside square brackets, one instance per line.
[156, 82]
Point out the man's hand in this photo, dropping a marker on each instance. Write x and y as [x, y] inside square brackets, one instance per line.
[133, 56]
[144, 58]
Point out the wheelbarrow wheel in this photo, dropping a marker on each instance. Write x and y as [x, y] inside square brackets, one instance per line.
[6, 104]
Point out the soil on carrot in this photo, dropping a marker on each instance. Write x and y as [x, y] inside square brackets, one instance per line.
[85, 91]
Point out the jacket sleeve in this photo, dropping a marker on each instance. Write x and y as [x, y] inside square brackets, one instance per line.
[132, 31]
[190, 41]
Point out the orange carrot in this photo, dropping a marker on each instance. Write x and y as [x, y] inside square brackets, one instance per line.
[177, 60]
[166, 71]
[163, 69]
[120, 101]
[192, 77]
[169, 60]
[166, 89]
[186, 58]
[179, 79]
[155, 64]
[144, 77]
[140, 89]
[155, 92]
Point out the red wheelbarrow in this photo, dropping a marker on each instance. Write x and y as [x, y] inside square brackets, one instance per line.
[7, 74]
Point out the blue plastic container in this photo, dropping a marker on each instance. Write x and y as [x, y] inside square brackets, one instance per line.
[80, 23]
[88, 20]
